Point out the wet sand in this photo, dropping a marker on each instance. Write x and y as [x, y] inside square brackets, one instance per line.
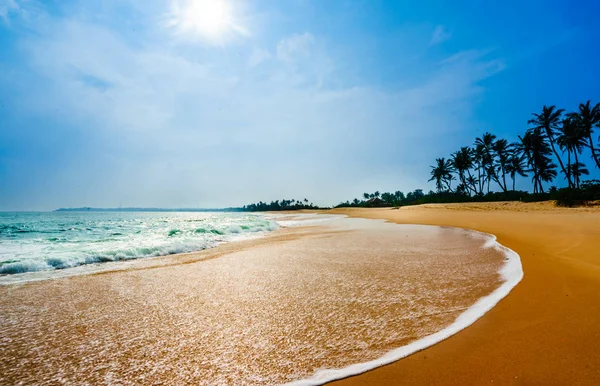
[265, 311]
[545, 332]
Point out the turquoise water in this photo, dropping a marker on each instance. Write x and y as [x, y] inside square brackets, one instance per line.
[57, 240]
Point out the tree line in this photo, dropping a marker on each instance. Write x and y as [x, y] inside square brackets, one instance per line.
[557, 143]
[279, 205]
[376, 198]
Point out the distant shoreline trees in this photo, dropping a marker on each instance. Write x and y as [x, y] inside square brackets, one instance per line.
[553, 146]
[279, 205]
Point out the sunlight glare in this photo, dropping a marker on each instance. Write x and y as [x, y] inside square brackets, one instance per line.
[210, 19]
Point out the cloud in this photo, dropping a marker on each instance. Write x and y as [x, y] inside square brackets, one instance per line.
[297, 46]
[161, 127]
[439, 35]
[258, 56]
[6, 8]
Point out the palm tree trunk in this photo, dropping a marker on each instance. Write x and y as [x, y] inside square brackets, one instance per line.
[471, 187]
[504, 179]
[562, 166]
[513, 179]
[577, 162]
[569, 164]
[594, 156]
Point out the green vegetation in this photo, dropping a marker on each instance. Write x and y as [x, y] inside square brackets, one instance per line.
[552, 146]
[279, 205]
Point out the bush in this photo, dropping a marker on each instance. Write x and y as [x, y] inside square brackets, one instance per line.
[588, 191]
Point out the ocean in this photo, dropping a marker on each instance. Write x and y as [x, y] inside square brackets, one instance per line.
[58, 240]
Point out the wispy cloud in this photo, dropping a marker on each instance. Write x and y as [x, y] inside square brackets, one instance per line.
[439, 35]
[179, 128]
[8, 7]
[295, 46]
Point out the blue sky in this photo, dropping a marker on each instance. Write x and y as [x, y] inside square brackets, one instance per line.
[154, 103]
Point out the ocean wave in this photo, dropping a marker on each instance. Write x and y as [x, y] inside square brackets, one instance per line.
[105, 244]
[53, 263]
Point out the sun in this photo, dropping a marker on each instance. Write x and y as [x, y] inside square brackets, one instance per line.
[209, 19]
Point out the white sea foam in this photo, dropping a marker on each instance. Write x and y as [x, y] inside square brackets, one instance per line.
[303, 219]
[511, 272]
[34, 242]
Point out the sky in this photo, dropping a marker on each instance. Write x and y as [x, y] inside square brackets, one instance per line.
[218, 103]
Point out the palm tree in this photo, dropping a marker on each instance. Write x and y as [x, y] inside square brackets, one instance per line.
[484, 146]
[577, 170]
[572, 139]
[478, 162]
[462, 161]
[546, 171]
[502, 152]
[516, 164]
[537, 151]
[442, 173]
[376, 194]
[586, 118]
[548, 121]
[366, 196]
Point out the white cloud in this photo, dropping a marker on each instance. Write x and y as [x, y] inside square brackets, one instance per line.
[258, 56]
[439, 35]
[180, 129]
[6, 8]
[299, 46]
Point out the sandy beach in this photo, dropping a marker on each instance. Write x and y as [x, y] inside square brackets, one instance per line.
[236, 309]
[272, 310]
[546, 331]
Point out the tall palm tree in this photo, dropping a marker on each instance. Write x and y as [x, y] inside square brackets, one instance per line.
[572, 139]
[442, 174]
[516, 164]
[462, 161]
[366, 196]
[479, 164]
[502, 152]
[376, 194]
[534, 146]
[486, 145]
[548, 121]
[588, 117]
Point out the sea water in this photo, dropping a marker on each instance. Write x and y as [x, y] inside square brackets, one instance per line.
[57, 240]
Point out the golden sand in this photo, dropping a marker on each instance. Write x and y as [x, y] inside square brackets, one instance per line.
[263, 312]
[546, 331]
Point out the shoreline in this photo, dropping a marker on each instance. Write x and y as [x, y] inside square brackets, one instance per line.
[291, 265]
[511, 273]
[545, 331]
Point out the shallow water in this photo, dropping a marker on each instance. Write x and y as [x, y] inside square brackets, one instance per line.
[32, 242]
[271, 314]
